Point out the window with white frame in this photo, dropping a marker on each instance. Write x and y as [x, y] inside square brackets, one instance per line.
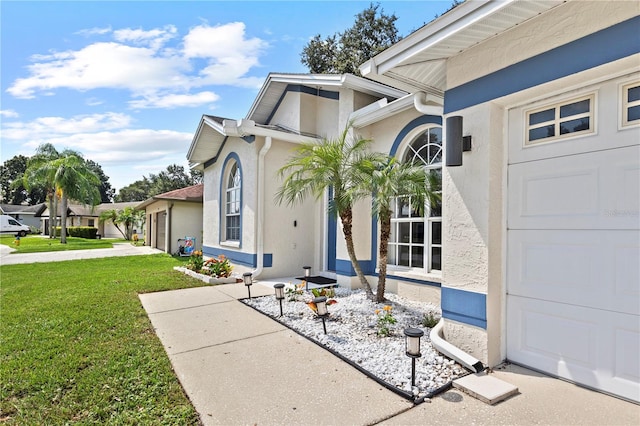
[631, 104]
[561, 120]
[416, 239]
[232, 204]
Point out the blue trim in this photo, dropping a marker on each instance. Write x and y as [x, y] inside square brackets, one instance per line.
[345, 268]
[420, 121]
[237, 257]
[298, 88]
[222, 195]
[413, 280]
[607, 45]
[464, 306]
[332, 232]
[213, 160]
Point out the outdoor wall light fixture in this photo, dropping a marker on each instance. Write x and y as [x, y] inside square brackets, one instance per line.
[279, 294]
[307, 274]
[412, 347]
[455, 143]
[247, 277]
[321, 306]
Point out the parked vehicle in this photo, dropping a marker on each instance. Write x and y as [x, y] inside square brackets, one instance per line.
[9, 225]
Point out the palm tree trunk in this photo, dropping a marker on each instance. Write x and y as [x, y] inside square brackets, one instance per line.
[383, 254]
[52, 214]
[346, 217]
[63, 220]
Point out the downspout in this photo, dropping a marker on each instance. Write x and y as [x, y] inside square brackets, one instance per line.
[260, 228]
[168, 224]
[425, 103]
[446, 348]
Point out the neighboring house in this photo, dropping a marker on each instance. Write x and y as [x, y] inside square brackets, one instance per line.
[79, 215]
[172, 216]
[533, 254]
[540, 226]
[28, 215]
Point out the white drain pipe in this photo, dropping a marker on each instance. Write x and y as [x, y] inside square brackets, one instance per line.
[260, 226]
[446, 348]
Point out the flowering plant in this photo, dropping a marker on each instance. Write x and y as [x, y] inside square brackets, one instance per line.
[195, 262]
[385, 321]
[219, 267]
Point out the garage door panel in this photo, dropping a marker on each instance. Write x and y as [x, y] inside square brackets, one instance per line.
[589, 346]
[598, 190]
[597, 269]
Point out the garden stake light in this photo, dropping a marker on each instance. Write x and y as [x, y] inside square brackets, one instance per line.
[321, 306]
[248, 280]
[279, 294]
[412, 347]
[307, 275]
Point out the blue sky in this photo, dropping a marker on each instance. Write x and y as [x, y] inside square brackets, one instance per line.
[126, 82]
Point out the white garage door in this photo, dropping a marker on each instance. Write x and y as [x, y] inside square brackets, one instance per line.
[573, 249]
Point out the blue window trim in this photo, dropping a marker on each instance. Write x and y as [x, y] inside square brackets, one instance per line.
[298, 88]
[604, 46]
[463, 306]
[213, 160]
[223, 196]
[238, 257]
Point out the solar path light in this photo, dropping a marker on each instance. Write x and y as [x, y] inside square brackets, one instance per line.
[279, 294]
[412, 348]
[321, 310]
[247, 277]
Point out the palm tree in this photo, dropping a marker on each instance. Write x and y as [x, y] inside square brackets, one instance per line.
[390, 181]
[68, 176]
[127, 217]
[341, 164]
[44, 154]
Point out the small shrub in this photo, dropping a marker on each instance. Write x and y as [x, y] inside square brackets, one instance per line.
[219, 267]
[430, 320]
[195, 261]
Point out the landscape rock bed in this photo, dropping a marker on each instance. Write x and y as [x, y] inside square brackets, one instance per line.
[352, 332]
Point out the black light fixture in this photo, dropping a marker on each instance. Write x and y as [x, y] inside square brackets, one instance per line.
[279, 294]
[455, 143]
[247, 277]
[321, 310]
[307, 275]
[412, 348]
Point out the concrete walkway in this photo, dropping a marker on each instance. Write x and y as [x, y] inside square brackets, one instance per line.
[7, 257]
[240, 367]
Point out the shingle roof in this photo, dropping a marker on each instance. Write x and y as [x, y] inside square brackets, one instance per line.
[190, 193]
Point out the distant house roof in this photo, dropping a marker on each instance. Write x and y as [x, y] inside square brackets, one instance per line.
[189, 194]
[90, 211]
[35, 210]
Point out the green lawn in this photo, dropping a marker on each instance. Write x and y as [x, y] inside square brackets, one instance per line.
[37, 244]
[76, 346]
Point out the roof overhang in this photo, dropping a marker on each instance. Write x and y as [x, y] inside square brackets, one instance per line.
[418, 62]
[275, 86]
[213, 132]
[422, 102]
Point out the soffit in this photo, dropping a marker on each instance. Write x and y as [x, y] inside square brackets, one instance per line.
[419, 61]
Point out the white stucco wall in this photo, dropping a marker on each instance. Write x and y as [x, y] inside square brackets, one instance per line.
[186, 221]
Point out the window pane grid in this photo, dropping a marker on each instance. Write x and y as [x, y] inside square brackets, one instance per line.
[410, 242]
[561, 120]
[631, 104]
[232, 205]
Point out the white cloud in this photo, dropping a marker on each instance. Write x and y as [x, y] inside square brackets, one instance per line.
[141, 62]
[169, 101]
[44, 128]
[9, 113]
[94, 31]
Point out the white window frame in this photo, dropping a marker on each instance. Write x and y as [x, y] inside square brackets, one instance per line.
[235, 193]
[426, 219]
[557, 120]
[626, 105]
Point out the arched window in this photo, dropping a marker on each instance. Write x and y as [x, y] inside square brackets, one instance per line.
[416, 239]
[232, 204]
